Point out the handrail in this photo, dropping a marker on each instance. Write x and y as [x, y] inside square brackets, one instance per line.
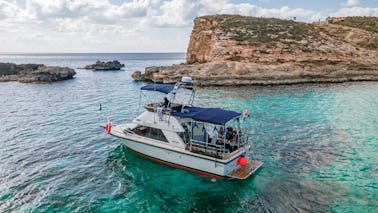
[202, 144]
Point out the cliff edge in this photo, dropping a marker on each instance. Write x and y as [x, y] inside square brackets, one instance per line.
[243, 50]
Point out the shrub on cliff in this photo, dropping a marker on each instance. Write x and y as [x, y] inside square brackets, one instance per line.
[362, 22]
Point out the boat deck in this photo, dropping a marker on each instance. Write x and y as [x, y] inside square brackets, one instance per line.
[245, 171]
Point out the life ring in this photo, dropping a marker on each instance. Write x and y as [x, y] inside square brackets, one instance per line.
[108, 128]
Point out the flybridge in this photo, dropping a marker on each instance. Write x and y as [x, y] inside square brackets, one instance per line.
[163, 88]
[209, 115]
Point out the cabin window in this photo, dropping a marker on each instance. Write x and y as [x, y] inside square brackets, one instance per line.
[150, 132]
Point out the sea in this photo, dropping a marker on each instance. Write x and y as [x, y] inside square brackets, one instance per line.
[318, 143]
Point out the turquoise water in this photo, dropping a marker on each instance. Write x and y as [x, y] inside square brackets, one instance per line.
[318, 144]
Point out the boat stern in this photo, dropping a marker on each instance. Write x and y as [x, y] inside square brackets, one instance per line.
[244, 169]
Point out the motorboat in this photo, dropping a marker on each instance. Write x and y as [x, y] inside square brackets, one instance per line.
[204, 140]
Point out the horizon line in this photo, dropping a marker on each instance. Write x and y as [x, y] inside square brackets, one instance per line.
[151, 52]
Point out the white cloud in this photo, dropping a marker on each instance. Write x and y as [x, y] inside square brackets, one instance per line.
[355, 11]
[8, 9]
[180, 13]
[352, 2]
[177, 13]
[90, 25]
[96, 10]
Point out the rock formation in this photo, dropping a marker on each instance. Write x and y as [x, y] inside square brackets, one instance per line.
[241, 50]
[34, 73]
[138, 76]
[105, 66]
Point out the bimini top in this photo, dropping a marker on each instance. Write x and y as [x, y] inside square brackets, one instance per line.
[209, 115]
[164, 88]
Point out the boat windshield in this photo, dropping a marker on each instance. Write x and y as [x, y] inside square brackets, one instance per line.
[180, 94]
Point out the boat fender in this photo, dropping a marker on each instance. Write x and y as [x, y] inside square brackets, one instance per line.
[242, 161]
[246, 113]
[108, 128]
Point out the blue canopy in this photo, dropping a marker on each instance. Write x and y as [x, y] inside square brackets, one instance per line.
[209, 115]
[164, 88]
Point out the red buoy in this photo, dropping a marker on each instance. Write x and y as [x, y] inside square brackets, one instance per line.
[242, 161]
[108, 128]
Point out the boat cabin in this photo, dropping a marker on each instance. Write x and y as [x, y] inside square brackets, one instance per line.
[212, 132]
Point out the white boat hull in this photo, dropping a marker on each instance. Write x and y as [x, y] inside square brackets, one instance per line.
[176, 155]
[212, 168]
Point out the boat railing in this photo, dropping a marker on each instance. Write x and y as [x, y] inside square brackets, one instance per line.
[154, 107]
[209, 149]
[242, 139]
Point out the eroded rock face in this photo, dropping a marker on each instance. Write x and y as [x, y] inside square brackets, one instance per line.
[138, 76]
[269, 40]
[34, 73]
[232, 50]
[105, 66]
[229, 73]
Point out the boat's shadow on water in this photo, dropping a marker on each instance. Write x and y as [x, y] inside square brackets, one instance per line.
[279, 185]
[151, 184]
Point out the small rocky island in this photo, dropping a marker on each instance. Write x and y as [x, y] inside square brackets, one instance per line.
[244, 50]
[34, 73]
[105, 66]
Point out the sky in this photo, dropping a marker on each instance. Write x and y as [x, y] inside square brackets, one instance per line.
[104, 26]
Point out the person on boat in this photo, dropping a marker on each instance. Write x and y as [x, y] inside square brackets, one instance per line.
[229, 134]
[215, 136]
[166, 102]
[185, 135]
[220, 132]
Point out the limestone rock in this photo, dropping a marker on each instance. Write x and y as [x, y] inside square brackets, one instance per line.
[138, 76]
[233, 50]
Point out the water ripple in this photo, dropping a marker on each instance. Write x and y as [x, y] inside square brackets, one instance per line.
[317, 142]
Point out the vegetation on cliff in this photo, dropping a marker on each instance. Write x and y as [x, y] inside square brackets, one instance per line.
[257, 31]
[362, 22]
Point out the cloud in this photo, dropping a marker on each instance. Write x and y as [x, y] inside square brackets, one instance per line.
[95, 10]
[8, 9]
[355, 11]
[175, 13]
[144, 24]
[180, 13]
[352, 3]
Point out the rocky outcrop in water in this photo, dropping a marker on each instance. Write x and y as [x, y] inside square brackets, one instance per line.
[105, 66]
[236, 50]
[138, 76]
[34, 73]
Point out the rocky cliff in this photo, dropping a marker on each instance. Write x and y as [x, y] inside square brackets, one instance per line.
[34, 73]
[235, 50]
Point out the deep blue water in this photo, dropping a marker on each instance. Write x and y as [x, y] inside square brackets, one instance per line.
[318, 143]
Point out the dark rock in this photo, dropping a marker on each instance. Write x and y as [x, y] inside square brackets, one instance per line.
[104, 66]
[34, 73]
[9, 69]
